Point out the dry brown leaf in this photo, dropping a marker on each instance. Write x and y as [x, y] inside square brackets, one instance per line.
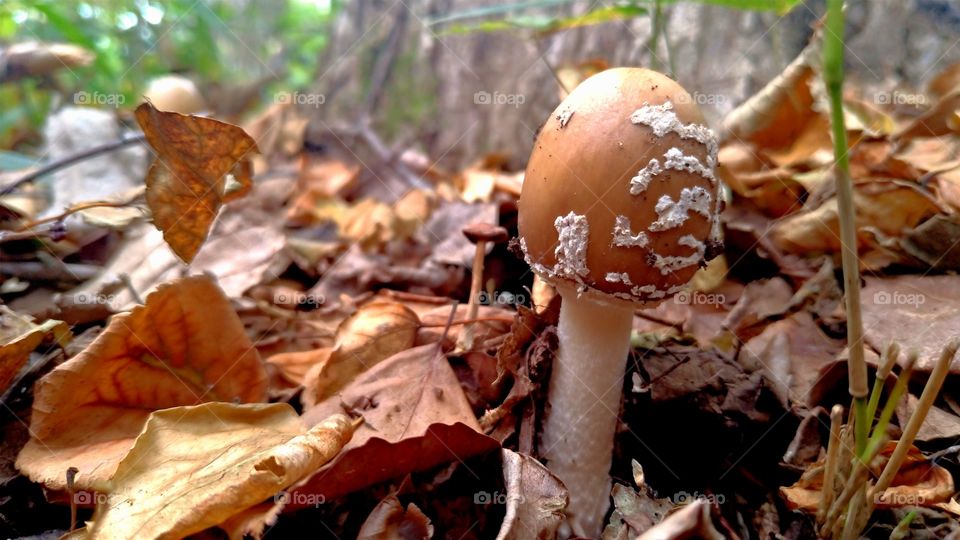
[185, 346]
[194, 467]
[920, 482]
[774, 117]
[791, 352]
[535, 500]
[390, 520]
[374, 333]
[320, 179]
[485, 176]
[918, 312]
[690, 521]
[188, 182]
[415, 418]
[935, 122]
[496, 322]
[19, 336]
[885, 206]
[296, 365]
[946, 81]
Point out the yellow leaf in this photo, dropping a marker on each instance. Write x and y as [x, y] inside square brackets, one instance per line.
[185, 346]
[19, 336]
[374, 333]
[194, 467]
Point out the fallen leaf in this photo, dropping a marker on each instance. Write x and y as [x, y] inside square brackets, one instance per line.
[185, 346]
[415, 418]
[19, 336]
[938, 423]
[194, 467]
[389, 520]
[919, 482]
[888, 207]
[635, 511]
[296, 365]
[188, 182]
[691, 521]
[320, 179]
[918, 312]
[374, 333]
[535, 500]
[791, 353]
[245, 258]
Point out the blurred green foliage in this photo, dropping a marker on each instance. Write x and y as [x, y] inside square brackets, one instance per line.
[219, 42]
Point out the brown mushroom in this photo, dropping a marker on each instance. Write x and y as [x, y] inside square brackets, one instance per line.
[479, 234]
[619, 208]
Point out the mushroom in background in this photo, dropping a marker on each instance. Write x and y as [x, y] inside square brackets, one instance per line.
[175, 93]
[620, 206]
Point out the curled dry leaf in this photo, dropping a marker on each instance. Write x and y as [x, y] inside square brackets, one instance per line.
[415, 418]
[691, 521]
[19, 336]
[374, 333]
[185, 346]
[194, 467]
[886, 206]
[188, 182]
[535, 500]
[390, 520]
[919, 482]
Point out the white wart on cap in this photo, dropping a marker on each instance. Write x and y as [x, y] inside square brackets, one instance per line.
[620, 198]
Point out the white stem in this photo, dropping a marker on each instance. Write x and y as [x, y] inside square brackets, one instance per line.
[585, 390]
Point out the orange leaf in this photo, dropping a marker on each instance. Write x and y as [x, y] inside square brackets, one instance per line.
[187, 183]
[415, 418]
[185, 346]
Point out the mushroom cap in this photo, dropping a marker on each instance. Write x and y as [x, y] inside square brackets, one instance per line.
[485, 232]
[620, 198]
[174, 93]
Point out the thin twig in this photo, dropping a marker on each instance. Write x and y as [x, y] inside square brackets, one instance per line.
[830, 467]
[71, 160]
[73, 210]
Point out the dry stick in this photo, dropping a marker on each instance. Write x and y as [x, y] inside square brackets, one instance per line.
[73, 210]
[930, 391]
[890, 355]
[856, 480]
[850, 526]
[899, 389]
[830, 467]
[71, 477]
[833, 77]
[71, 160]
